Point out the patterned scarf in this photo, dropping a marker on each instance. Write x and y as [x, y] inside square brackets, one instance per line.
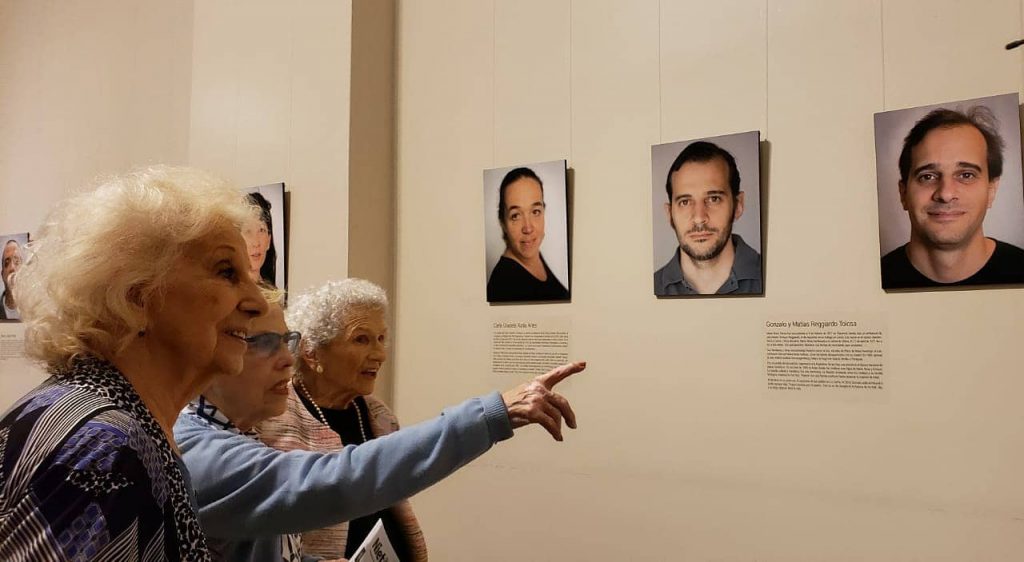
[103, 379]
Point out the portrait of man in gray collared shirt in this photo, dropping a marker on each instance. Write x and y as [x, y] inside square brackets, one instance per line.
[712, 224]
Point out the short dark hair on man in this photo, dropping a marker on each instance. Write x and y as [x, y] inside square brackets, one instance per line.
[979, 117]
[703, 151]
[514, 175]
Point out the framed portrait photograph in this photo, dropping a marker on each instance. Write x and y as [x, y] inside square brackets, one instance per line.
[265, 240]
[706, 208]
[526, 233]
[13, 256]
[950, 202]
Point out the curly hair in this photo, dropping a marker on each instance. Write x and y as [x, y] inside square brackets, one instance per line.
[102, 257]
[319, 314]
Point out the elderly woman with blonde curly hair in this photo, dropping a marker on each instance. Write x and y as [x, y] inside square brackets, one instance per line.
[134, 296]
[343, 346]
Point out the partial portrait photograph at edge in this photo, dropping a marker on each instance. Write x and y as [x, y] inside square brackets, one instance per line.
[13, 257]
[706, 209]
[265, 238]
[950, 201]
[526, 233]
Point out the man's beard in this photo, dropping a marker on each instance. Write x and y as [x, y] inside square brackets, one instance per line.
[714, 251]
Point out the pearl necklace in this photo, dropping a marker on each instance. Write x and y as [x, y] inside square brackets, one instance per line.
[320, 413]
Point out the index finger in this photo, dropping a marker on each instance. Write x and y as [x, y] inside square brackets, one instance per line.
[558, 374]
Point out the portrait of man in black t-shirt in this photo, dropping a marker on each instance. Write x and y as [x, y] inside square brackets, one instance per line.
[951, 167]
[530, 266]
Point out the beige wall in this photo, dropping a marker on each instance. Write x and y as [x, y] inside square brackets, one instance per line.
[270, 102]
[371, 230]
[87, 88]
[681, 454]
[257, 91]
[679, 447]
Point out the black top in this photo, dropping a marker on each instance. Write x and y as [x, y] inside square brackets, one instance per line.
[511, 282]
[1005, 266]
[345, 424]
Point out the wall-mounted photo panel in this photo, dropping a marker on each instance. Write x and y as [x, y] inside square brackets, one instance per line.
[706, 205]
[13, 256]
[526, 231]
[265, 239]
[950, 205]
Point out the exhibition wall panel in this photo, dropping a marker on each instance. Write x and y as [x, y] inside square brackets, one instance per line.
[304, 94]
[270, 102]
[258, 92]
[86, 89]
[682, 452]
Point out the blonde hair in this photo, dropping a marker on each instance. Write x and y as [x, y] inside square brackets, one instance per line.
[321, 313]
[101, 257]
[271, 294]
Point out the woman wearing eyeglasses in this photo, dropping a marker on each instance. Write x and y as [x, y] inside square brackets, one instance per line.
[253, 498]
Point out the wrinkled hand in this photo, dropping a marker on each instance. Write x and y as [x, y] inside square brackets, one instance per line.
[535, 402]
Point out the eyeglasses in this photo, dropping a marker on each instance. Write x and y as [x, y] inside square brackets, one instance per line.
[268, 343]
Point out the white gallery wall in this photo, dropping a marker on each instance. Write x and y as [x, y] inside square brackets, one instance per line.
[270, 93]
[681, 453]
[87, 89]
[256, 91]
[302, 93]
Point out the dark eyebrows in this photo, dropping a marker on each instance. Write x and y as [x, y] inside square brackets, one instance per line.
[534, 204]
[923, 167]
[932, 166]
[706, 193]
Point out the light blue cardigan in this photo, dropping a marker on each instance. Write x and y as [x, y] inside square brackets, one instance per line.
[250, 494]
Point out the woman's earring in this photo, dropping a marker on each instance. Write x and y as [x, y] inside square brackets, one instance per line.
[319, 368]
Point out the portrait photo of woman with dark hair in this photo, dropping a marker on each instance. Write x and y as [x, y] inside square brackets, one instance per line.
[263, 238]
[527, 246]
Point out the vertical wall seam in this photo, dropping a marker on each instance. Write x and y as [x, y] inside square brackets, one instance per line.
[235, 167]
[661, 107]
[494, 83]
[291, 98]
[881, 25]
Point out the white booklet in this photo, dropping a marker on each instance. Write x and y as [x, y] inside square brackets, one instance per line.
[376, 547]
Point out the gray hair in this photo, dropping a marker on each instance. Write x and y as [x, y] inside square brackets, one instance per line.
[319, 314]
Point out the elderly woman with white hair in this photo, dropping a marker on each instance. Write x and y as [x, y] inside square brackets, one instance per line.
[253, 499]
[134, 297]
[344, 345]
